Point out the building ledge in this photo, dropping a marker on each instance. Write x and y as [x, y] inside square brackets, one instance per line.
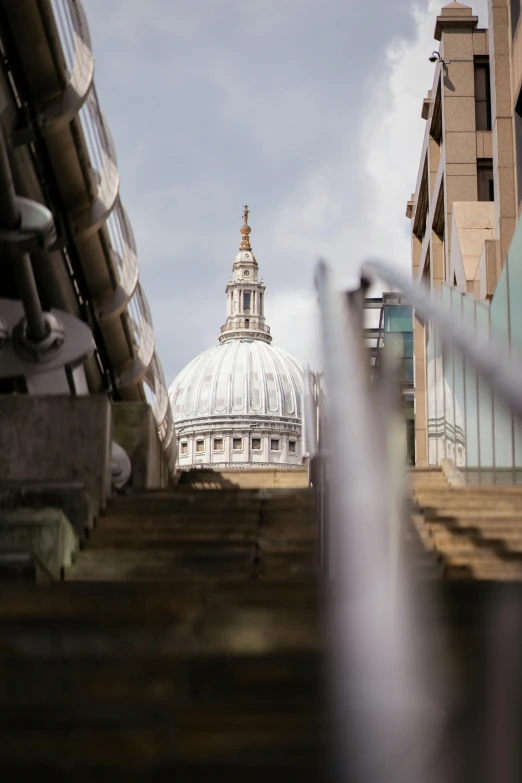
[455, 16]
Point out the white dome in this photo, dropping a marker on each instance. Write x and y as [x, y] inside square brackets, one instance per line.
[240, 403]
[239, 378]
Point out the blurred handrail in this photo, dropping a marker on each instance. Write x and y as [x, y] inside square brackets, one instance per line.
[380, 690]
[310, 416]
[493, 364]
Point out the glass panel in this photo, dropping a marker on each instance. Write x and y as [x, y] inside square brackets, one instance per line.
[398, 318]
[518, 443]
[503, 439]
[513, 273]
[499, 308]
[431, 380]
[91, 121]
[458, 388]
[485, 402]
[470, 394]
[449, 406]
[66, 30]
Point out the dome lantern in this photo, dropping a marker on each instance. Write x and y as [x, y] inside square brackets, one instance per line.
[245, 295]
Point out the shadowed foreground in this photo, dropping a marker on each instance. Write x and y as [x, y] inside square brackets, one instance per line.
[184, 641]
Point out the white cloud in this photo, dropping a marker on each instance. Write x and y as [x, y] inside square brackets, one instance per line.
[293, 321]
[322, 218]
[294, 106]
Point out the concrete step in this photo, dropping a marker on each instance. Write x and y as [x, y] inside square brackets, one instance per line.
[141, 601]
[244, 479]
[185, 643]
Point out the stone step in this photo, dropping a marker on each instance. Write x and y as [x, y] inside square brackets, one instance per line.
[152, 658]
[105, 687]
[143, 601]
[132, 565]
[190, 632]
[306, 770]
[484, 570]
[244, 479]
[183, 522]
[237, 738]
[473, 501]
[167, 539]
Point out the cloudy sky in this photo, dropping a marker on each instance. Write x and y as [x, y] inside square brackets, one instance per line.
[306, 110]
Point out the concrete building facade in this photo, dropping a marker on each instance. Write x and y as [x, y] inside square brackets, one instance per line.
[465, 207]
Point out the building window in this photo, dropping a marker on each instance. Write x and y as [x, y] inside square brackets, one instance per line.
[200, 446]
[183, 447]
[274, 444]
[482, 96]
[237, 443]
[218, 444]
[246, 300]
[485, 181]
[247, 323]
[256, 444]
[291, 446]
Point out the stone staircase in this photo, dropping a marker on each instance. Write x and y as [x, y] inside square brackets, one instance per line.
[475, 532]
[183, 645]
[261, 478]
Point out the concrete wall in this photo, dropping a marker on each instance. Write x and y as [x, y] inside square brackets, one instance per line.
[134, 429]
[57, 439]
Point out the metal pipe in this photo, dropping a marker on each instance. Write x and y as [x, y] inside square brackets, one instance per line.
[491, 361]
[9, 212]
[24, 275]
[36, 325]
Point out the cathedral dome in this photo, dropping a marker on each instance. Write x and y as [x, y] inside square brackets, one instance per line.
[239, 378]
[240, 402]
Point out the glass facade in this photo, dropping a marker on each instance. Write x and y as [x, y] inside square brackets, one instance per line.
[466, 421]
[391, 333]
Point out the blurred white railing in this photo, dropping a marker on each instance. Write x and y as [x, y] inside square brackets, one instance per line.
[379, 692]
[393, 712]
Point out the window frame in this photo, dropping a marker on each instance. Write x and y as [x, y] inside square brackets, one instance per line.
[255, 448]
[237, 448]
[216, 448]
[275, 440]
[200, 442]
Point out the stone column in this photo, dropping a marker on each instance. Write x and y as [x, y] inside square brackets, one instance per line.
[502, 126]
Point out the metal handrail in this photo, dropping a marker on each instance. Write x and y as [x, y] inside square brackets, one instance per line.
[379, 689]
[493, 363]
